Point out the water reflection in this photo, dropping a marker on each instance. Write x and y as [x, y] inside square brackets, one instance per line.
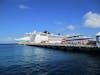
[40, 54]
[27, 53]
[34, 54]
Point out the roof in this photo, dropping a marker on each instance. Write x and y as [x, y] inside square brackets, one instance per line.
[98, 34]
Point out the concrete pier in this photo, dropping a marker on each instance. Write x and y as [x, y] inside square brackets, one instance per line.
[68, 47]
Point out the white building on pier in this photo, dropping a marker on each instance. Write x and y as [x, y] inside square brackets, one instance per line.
[98, 39]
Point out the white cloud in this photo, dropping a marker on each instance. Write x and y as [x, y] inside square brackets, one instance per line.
[71, 27]
[92, 20]
[7, 40]
[59, 23]
[24, 7]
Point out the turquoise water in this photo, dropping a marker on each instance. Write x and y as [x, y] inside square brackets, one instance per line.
[28, 60]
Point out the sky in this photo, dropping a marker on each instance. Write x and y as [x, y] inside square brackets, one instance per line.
[66, 17]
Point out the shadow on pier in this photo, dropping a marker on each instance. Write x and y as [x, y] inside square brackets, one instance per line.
[70, 48]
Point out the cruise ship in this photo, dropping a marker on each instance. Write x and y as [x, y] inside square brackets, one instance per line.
[39, 37]
[79, 40]
[46, 37]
